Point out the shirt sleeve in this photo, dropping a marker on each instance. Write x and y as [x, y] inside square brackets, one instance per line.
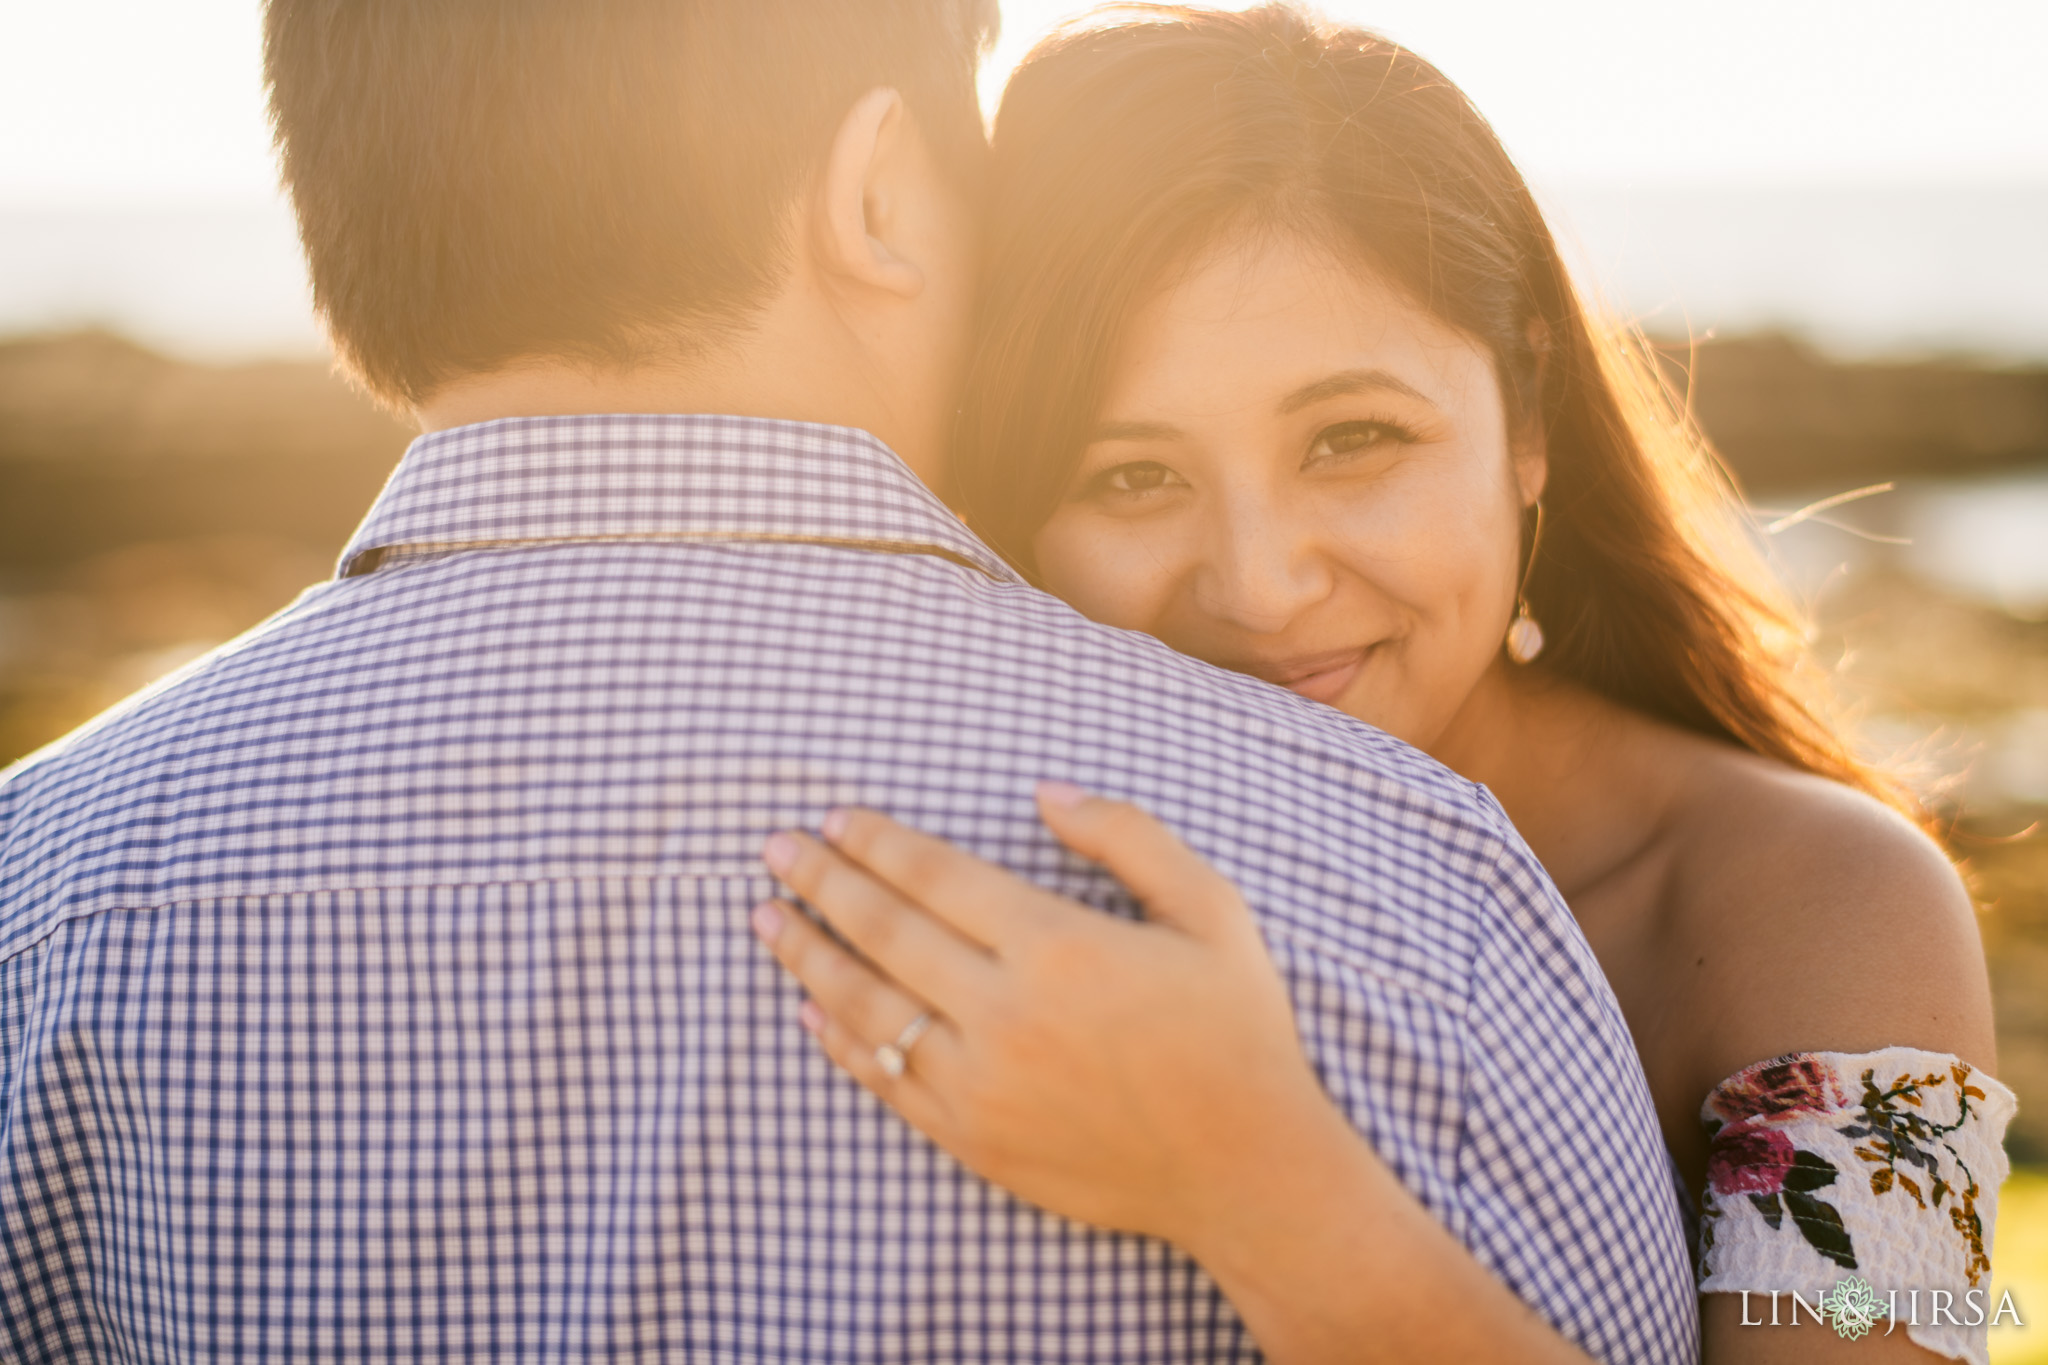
[1866, 1183]
[1565, 1172]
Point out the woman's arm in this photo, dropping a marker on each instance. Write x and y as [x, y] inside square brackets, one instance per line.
[1814, 919]
[1139, 1076]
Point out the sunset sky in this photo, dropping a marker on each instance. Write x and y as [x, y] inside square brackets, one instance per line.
[136, 99]
[1872, 174]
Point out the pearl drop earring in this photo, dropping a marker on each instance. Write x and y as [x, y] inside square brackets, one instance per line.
[1525, 638]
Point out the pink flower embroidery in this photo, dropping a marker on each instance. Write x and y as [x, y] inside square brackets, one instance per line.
[1785, 1085]
[1745, 1160]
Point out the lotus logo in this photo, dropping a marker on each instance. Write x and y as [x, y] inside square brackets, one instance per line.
[1852, 1307]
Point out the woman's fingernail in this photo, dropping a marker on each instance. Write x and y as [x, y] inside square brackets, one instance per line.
[811, 1017]
[1064, 795]
[767, 918]
[779, 853]
[835, 823]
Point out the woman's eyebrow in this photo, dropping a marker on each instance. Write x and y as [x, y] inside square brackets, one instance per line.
[1346, 382]
[1135, 431]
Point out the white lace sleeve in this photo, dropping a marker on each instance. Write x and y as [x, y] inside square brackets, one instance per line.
[1826, 1169]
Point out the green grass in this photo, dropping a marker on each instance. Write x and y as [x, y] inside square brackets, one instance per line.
[2019, 1257]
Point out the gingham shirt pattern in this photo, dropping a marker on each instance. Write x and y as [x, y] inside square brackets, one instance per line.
[379, 987]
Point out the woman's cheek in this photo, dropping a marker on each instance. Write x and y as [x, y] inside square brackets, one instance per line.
[1438, 536]
[1396, 542]
[1439, 572]
[1107, 569]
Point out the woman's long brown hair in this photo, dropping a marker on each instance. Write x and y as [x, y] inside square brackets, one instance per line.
[1122, 152]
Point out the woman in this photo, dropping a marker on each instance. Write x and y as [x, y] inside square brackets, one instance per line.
[1279, 364]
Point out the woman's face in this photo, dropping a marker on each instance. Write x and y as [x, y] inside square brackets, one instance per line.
[1300, 475]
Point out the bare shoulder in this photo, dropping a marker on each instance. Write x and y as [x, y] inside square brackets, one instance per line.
[1805, 915]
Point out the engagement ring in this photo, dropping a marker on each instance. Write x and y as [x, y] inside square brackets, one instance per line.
[894, 1058]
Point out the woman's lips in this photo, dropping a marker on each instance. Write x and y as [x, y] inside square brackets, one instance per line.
[1319, 677]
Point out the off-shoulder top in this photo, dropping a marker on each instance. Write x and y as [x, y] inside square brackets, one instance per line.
[1864, 1183]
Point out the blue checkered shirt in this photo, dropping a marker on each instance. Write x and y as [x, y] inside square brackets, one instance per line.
[379, 987]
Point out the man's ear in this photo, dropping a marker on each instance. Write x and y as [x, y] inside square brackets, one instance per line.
[861, 206]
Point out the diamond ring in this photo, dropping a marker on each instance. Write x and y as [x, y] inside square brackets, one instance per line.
[894, 1058]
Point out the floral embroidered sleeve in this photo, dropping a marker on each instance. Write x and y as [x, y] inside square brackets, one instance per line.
[1884, 1166]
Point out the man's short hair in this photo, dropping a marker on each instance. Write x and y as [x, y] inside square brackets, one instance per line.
[597, 180]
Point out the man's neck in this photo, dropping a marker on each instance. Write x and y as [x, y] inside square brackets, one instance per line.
[546, 388]
[778, 377]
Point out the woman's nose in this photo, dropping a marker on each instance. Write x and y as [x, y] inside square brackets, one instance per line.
[1265, 568]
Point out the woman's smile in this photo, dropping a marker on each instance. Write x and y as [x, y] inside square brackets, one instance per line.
[1322, 677]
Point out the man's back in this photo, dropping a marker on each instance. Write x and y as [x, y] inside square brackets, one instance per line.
[382, 988]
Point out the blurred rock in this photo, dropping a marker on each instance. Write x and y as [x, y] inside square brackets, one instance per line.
[104, 444]
[150, 510]
[1786, 418]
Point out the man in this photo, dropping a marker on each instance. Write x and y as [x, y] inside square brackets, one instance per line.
[381, 987]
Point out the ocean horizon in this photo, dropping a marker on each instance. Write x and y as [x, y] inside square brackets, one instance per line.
[1899, 270]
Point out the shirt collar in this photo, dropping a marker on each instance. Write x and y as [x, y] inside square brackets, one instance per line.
[520, 480]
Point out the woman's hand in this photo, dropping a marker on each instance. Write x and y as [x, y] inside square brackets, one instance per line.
[1073, 1057]
[1140, 1076]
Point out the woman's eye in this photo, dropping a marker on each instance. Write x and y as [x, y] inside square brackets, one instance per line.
[1134, 486]
[1142, 476]
[1348, 438]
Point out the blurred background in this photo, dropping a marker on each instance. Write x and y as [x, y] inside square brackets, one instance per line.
[1833, 213]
